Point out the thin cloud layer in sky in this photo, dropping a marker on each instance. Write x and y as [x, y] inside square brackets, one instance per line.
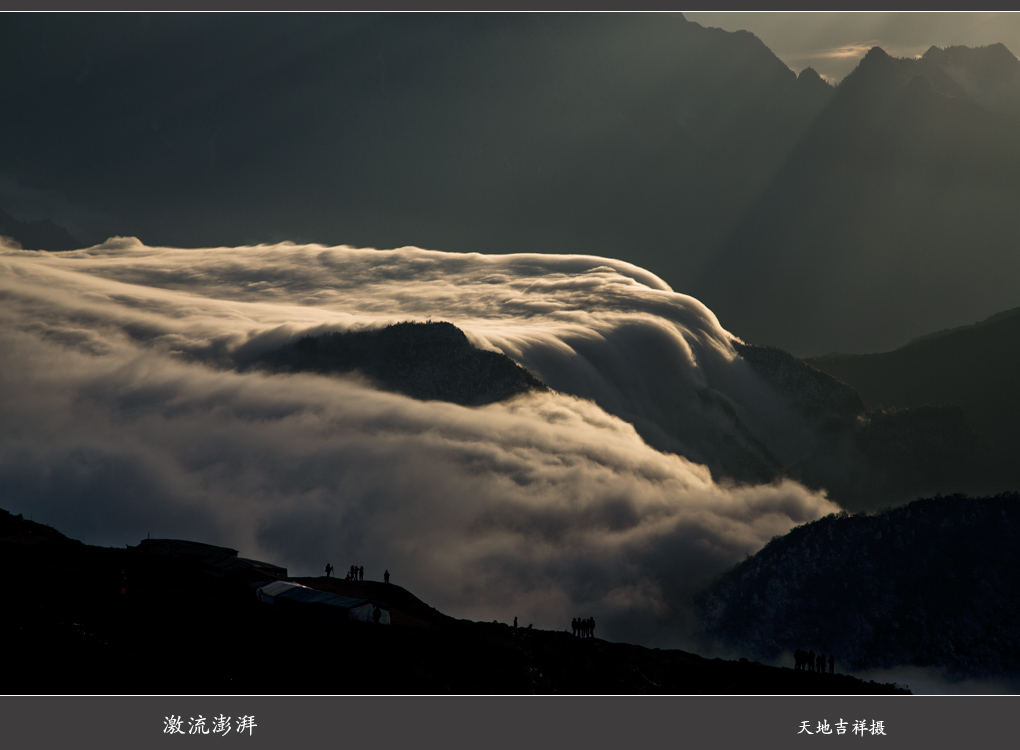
[128, 412]
[834, 42]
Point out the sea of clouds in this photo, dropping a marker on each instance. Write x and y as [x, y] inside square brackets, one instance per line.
[127, 411]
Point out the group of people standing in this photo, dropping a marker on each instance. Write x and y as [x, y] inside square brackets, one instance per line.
[584, 628]
[812, 662]
[356, 572]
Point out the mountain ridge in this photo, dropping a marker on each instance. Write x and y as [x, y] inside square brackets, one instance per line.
[103, 631]
[972, 366]
[427, 361]
[906, 188]
[930, 584]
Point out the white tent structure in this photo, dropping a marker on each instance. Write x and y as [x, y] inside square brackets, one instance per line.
[362, 610]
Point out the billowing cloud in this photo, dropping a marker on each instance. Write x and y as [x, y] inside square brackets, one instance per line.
[126, 413]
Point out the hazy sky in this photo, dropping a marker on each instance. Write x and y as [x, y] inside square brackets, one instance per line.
[833, 43]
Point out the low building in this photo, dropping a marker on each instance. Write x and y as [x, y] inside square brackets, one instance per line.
[362, 610]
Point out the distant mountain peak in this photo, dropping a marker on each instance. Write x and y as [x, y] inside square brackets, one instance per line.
[875, 54]
[876, 67]
[40, 234]
[810, 77]
[988, 76]
[998, 54]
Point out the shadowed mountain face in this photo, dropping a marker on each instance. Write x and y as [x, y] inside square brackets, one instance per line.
[869, 457]
[989, 76]
[427, 361]
[931, 584]
[639, 136]
[895, 214]
[974, 367]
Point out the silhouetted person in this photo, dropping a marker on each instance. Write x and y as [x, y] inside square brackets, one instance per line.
[515, 621]
[573, 626]
[329, 570]
[820, 663]
[798, 659]
[386, 576]
[832, 664]
[811, 661]
[591, 627]
[361, 572]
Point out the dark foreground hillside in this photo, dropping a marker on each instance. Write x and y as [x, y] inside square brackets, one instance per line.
[935, 583]
[90, 620]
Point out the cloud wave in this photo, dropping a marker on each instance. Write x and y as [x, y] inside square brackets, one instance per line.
[126, 414]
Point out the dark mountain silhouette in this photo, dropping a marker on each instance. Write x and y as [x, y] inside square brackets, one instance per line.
[808, 80]
[146, 620]
[816, 394]
[893, 215]
[641, 136]
[927, 449]
[935, 583]
[973, 367]
[427, 361]
[41, 234]
[871, 457]
[989, 76]
[808, 217]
